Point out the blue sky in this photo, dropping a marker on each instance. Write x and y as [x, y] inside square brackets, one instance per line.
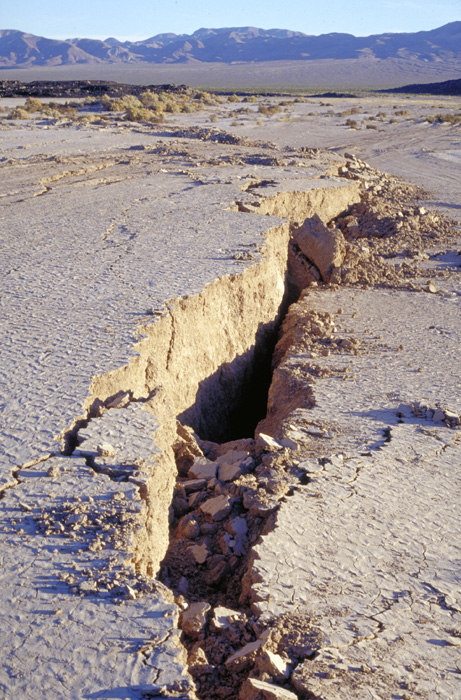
[139, 19]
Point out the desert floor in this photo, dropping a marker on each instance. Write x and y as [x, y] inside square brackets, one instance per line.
[302, 253]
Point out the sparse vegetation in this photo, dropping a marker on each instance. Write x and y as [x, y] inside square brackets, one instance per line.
[33, 105]
[448, 118]
[348, 112]
[19, 113]
[150, 106]
[351, 123]
[269, 110]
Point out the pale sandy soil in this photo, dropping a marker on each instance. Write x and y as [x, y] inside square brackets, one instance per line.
[277, 76]
[423, 153]
[137, 279]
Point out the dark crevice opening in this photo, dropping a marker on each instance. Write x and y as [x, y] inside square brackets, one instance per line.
[231, 402]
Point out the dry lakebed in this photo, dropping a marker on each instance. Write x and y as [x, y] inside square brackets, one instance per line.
[230, 403]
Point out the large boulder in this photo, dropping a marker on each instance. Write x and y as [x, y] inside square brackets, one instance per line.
[324, 247]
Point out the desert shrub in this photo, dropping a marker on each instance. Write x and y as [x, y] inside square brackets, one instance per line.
[213, 117]
[51, 112]
[67, 110]
[348, 112]
[32, 104]
[403, 113]
[19, 113]
[250, 98]
[351, 123]
[150, 106]
[448, 118]
[371, 126]
[123, 103]
[105, 102]
[87, 118]
[149, 99]
[269, 110]
[233, 98]
[172, 107]
[142, 114]
[93, 100]
[392, 120]
[206, 98]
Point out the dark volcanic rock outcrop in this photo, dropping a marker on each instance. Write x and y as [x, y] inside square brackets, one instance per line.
[78, 88]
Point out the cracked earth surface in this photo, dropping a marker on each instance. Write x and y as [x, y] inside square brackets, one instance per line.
[368, 549]
[135, 268]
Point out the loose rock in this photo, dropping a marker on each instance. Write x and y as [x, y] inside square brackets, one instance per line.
[194, 619]
[253, 689]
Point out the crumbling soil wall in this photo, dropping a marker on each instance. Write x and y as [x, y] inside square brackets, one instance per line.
[198, 359]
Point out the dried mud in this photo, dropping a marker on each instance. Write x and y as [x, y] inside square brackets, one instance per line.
[206, 499]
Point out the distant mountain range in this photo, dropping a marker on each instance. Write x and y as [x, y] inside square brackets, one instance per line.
[232, 45]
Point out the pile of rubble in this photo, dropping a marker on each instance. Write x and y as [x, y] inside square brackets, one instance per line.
[436, 415]
[355, 247]
[225, 499]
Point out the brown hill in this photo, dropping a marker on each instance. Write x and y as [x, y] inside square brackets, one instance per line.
[231, 45]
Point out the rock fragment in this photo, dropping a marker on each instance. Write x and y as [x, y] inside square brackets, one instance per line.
[120, 400]
[232, 464]
[273, 664]
[202, 468]
[224, 618]
[200, 552]
[105, 450]
[324, 247]
[244, 657]
[194, 619]
[254, 689]
[289, 443]
[268, 443]
[217, 508]
[188, 527]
